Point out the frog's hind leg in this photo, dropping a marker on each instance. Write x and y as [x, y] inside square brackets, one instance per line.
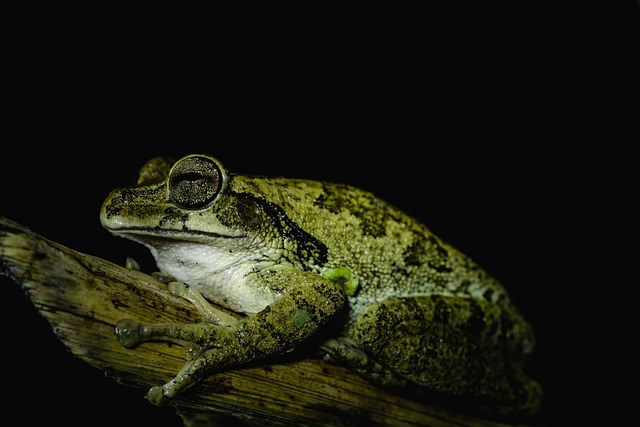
[453, 346]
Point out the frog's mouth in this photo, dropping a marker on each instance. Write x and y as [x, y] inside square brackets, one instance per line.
[158, 235]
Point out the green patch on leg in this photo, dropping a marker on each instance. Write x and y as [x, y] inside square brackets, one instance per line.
[343, 276]
[301, 317]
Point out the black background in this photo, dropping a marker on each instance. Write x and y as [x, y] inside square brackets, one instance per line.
[463, 117]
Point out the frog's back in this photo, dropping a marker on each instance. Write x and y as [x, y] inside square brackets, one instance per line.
[393, 254]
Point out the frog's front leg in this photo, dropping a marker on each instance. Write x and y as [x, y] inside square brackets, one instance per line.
[209, 312]
[201, 342]
[276, 329]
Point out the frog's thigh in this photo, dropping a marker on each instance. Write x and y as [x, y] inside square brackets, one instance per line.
[434, 341]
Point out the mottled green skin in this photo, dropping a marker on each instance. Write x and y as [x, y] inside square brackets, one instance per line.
[410, 311]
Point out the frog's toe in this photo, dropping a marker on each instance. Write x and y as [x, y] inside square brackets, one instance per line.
[157, 396]
[177, 288]
[131, 264]
[128, 332]
[344, 350]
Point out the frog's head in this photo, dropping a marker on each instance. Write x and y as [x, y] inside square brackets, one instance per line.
[185, 205]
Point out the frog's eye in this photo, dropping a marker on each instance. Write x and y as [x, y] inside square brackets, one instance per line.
[195, 181]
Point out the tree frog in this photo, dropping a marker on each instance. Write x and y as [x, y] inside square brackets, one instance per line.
[303, 261]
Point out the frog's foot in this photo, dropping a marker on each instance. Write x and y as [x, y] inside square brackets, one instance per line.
[345, 351]
[210, 313]
[202, 343]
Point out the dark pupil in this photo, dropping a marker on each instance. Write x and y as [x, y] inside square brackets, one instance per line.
[191, 176]
[194, 182]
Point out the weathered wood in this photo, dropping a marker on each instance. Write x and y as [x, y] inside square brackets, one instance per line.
[83, 297]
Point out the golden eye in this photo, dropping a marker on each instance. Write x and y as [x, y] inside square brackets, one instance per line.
[195, 181]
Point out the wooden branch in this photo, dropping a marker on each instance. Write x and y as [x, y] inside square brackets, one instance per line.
[83, 297]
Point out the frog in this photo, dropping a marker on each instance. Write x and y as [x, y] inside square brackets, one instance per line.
[273, 265]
